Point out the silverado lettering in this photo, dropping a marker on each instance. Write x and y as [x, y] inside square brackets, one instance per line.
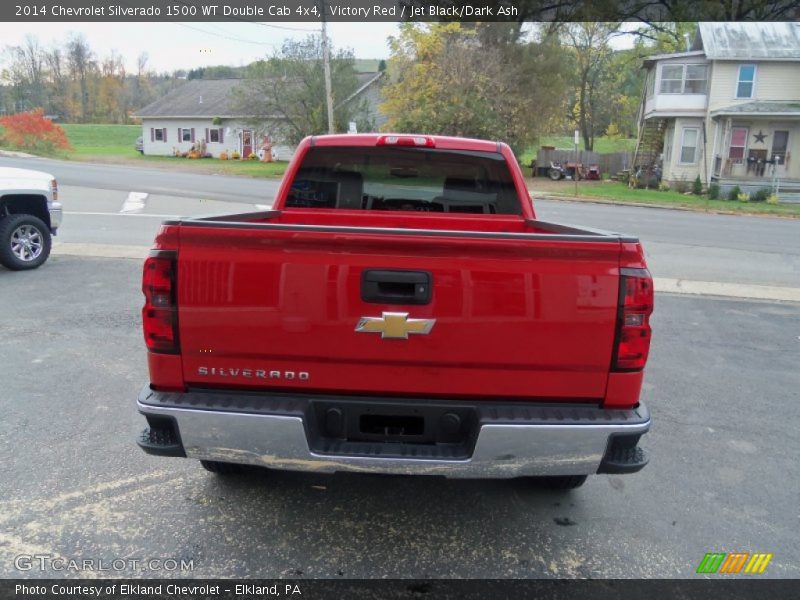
[534, 367]
[257, 373]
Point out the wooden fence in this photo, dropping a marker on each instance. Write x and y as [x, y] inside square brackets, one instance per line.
[610, 164]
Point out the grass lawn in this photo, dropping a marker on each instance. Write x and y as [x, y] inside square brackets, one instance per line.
[102, 140]
[612, 190]
[115, 144]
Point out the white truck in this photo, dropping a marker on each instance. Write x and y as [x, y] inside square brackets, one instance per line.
[30, 214]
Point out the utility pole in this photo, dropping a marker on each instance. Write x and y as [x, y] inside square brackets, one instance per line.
[326, 62]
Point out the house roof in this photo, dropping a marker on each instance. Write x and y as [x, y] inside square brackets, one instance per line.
[694, 53]
[195, 98]
[214, 98]
[749, 40]
[774, 109]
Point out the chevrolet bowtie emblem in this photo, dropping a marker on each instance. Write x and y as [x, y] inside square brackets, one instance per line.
[393, 325]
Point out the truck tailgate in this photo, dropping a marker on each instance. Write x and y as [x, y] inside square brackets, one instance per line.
[279, 308]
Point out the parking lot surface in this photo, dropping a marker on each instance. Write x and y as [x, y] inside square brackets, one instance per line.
[722, 385]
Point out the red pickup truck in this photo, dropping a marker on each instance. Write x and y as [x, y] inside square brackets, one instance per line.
[400, 309]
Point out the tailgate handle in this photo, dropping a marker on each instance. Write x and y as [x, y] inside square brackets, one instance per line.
[396, 287]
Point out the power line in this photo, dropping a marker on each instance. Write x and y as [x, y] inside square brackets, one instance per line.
[227, 37]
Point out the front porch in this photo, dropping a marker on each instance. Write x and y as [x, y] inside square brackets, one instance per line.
[752, 147]
[787, 189]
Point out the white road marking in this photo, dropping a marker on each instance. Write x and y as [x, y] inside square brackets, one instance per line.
[100, 250]
[108, 214]
[134, 203]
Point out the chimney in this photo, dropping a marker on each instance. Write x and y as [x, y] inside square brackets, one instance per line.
[201, 100]
[686, 39]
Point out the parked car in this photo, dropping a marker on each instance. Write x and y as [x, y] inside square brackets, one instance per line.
[139, 144]
[399, 310]
[30, 213]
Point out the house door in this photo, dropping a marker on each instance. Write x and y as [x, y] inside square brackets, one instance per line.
[780, 143]
[247, 142]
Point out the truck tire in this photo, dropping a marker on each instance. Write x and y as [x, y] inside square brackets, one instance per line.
[554, 174]
[563, 482]
[24, 242]
[220, 468]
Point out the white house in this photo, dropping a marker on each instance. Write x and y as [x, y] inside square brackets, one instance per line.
[204, 109]
[727, 110]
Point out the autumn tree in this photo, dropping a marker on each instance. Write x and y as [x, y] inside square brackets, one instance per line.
[32, 132]
[475, 81]
[288, 89]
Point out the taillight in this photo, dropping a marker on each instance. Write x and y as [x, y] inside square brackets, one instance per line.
[633, 320]
[160, 312]
[406, 140]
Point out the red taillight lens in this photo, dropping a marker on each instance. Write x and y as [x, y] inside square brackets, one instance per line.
[633, 321]
[160, 312]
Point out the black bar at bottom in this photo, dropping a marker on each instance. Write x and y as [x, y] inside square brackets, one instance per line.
[731, 587]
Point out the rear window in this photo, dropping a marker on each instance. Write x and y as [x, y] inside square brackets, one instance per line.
[404, 179]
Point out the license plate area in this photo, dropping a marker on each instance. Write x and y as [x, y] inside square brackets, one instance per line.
[391, 426]
[384, 428]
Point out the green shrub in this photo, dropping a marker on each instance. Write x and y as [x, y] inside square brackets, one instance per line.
[713, 191]
[697, 186]
[663, 186]
[773, 199]
[760, 195]
[733, 195]
[744, 197]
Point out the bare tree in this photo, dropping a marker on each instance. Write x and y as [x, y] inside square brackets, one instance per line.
[58, 81]
[81, 64]
[26, 74]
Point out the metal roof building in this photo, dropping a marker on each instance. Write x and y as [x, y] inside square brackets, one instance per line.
[749, 41]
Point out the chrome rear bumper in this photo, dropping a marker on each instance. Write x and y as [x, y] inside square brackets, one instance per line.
[278, 431]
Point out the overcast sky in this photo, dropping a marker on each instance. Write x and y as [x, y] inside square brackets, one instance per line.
[173, 46]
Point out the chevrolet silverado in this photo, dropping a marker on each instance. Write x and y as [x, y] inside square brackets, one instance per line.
[400, 309]
[29, 214]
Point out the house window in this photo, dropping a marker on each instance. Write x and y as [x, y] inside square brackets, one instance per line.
[651, 83]
[780, 143]
[738, 144]
[215, 135]
[668, 147]
[684, 79]
[186, 135]
[696, 79]
[671, 79]
[746, 82]
[689, 145]
[159, 135]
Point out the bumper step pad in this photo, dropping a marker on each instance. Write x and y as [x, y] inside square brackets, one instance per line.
[161, 441]
[623, 460]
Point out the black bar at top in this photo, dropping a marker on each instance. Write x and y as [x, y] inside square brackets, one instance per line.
[284, 11]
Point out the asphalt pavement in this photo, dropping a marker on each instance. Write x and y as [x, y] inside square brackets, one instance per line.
[721, 383]
[679, 244]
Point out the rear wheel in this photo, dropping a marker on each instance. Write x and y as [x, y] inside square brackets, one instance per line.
[221, 468]
[554, 174]
[24, 242]
[563, 482]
